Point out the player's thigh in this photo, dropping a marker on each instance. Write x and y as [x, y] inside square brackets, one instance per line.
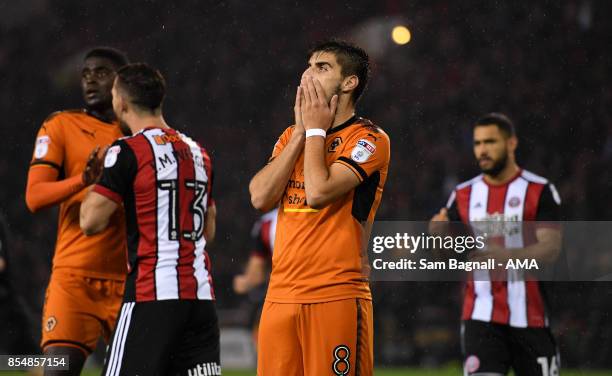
[197, 349]
[338, 337]
[144, 338]
[535, 352]
[279, 350]
[486, 348]
[69, 314]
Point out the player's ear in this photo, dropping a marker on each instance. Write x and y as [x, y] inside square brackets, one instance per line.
[512, 143]
[350, 83]
[123, 103]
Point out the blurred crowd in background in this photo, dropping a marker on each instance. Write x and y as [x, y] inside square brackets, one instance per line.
[232, 68]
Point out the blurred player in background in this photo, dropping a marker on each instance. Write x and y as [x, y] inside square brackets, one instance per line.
[505, 323]
[15, 317]
[328, 172]
[256, 274]
[168, 322]
[86, 285]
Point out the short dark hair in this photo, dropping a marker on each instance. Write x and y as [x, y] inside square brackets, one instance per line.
[352, 60]
[144, 85]
[502, 122]
[117, 57]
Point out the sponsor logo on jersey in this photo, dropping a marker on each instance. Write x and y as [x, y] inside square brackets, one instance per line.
[166, 138]
[362, 151]
[42, 146]
[111, 156]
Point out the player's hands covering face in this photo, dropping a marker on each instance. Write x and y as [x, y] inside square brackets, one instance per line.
[316, 112]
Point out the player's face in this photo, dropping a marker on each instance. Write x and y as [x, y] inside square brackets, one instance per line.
[97, 78]
[490, 149]
[324, 67]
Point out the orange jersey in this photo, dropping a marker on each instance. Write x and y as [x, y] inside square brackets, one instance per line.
[319, 255]
[64, 142]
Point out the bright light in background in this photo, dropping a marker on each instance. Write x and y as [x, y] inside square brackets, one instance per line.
[401, 34]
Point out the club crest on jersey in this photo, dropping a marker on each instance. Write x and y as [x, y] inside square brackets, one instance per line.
[362, 151]
[514, 202]
[111, 156]
[42, 146]
[334, 145]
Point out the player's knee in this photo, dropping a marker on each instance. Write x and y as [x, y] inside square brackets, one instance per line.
[76, 359]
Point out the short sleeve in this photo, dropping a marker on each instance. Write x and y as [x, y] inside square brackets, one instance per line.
[211, 177]
[451, 207]
[366, 152]
[260, 248]
[49, 144]
[549, 206]
[120, 167]
[283, 140]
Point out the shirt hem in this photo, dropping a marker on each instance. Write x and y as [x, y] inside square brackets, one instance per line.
[273, 299]
[89, 273]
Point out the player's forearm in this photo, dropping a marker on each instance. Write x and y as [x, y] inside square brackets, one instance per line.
[42, 193]
[210, 227]
[545, 250]
[316, 172]
[255, 272]
[267, 186]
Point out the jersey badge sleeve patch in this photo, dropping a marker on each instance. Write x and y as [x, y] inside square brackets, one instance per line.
[42, 146]
[362, 151]
[111, 156]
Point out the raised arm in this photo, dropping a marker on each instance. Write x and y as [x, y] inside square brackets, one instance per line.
[43, 190]
[267, 186]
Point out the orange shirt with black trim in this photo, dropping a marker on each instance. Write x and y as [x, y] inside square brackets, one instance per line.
[320, 255]
[64, 142]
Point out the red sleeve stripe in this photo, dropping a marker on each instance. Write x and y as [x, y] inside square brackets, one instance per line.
[108, 193]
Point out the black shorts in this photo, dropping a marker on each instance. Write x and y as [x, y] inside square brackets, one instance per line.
[495, 348]
[168, 337]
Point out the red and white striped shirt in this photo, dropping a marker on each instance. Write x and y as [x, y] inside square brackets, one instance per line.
[164, 180]
[264, 233]
[526, 197]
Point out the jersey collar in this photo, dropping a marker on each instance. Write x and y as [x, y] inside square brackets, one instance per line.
[516, 176]
[343, 125]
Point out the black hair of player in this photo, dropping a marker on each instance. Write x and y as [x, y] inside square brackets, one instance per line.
[502, 122]
[117, 57]
[144, 85]
[352, 59]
